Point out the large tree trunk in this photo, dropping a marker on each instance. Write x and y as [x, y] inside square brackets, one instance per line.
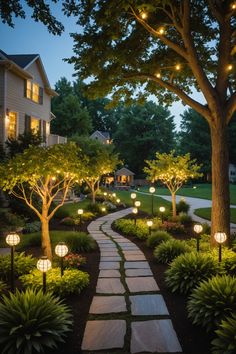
[173, 205]
[45, 238]
[220, 214]
[93, 195]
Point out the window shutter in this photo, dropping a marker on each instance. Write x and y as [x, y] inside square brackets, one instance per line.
[25, 88]
[40, 127]
[40, 95]
[27, 123]
[44, 130]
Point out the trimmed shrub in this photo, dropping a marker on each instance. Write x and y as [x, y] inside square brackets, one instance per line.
[225, 343]
[73, 281]
[185, 219]
[205, 245]
[3, 287]
[182, 207]
[169, 250]
[212, 301]
[229, 265]
[188, 270]
[95, 208]
[173, 227]
[32, 321]
[127, 227]
[157, 237]
[23, 265]
[73, 260]
[80, 242]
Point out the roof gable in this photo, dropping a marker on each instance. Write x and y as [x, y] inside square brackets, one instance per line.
[23, 60]
[124, 172]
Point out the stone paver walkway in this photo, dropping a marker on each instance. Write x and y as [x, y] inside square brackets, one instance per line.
[128, 313]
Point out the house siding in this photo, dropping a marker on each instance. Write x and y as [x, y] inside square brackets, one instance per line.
[16, 102]
[2, 113]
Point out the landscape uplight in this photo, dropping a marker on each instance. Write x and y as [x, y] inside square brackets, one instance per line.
[149, 224]
[152, 191]
[61, 251]
[198, 229]
[12, 240]
[220, 238]
[44, 264]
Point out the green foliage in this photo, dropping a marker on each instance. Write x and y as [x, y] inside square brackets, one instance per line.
[32, 321]
[10, 221]
[182, 207]
[225, 343]
[95, 208]
[188, 270]
[157, 237]
[128, 227]
[23, 265]
[22, 142]
[169, 250]
[3, 287]
[185, 219]
[80, 242]
[173, 227]
[212, 301]
[72, 282]
[73, 260]
[32, 227]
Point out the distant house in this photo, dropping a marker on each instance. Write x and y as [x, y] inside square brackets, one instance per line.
[124, 178]
[25, 98]
[103, 137]
[232, 173]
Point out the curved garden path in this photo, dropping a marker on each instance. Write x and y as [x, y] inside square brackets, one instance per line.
[128, 314]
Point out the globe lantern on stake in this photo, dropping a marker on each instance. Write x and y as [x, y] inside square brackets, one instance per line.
[220, 238]
[61, 251]
[162, 211]
[44, 264]
[149, 224]
[135, 212]
[152, 191]
[80, 213]
[12, 240]
[133, 196]
[198, 229]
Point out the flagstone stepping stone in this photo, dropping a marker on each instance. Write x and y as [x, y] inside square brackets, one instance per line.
[136, 252]
[156, 336]
[109, 265]
[109, 273]
[110, 259]
[108, 245]
[109, 286]
[138, 272]
[106, 334]
[109, 253]
[106, 249]
[148, 305]
[106, 242]
[136, 265]
[124, 240]
[128, 248]
[141, 284]
[133, 257]
[108, 304]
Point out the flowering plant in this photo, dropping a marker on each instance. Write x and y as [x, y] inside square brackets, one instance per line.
[74, 260]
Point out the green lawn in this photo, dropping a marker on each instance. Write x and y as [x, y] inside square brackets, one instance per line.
[206, 213]
[70, 209]
[202, 191]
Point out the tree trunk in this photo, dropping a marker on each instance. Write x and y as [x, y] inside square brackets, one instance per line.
[173, 205]
[93, 195]
[220, 214]
[45, 238]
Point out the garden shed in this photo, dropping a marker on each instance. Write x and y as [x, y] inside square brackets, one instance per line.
[124, 178]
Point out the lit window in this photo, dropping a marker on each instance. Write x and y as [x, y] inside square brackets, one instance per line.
[35, 125]
[33, 92]
[11, 127]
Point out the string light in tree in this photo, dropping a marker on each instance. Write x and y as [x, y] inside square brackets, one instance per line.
[233, 6]
[161, 31]
[158, 75]
[230, 67]
[143, 15]
[177, 67]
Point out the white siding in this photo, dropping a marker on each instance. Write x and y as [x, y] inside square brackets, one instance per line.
[2, 113]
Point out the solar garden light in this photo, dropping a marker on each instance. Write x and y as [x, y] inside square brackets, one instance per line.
[12, 240]
[44, 264]
[135, 212]
[162, 210]
[198, 229]
[137, 203]
[118, 200]
[113, 195]
[103, 209]
[152, 191]
[133, 196]
[220, 238]
[61, 251]
[105, 195]
[149, 224]
[80, 213]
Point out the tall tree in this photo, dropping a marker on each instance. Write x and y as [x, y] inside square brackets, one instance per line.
[173, 171]
[46, 172]
[143, 130]
[165, 48]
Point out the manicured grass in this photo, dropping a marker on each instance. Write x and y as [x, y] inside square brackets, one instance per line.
[206, 213]
[70, 209]
[202, 191]
[146, 203]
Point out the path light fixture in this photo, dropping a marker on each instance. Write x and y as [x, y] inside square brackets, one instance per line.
[162, 210]
[118, 201]
[137, 203]
[12, 240]
[152, 191]
[113, 195]
[61, 251]
[44, 264]
[220, 238]
[198, 229]
[133, 196]
[103, 209]
[80, 213]
[149, 224]
[135, 212]
[105, 195]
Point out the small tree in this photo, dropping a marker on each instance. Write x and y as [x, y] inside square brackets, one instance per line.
[43, 172]
[173, 171]
[100, 160]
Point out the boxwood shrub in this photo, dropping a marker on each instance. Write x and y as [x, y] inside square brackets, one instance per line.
[212, 301]
[157, 237]
[169, 250]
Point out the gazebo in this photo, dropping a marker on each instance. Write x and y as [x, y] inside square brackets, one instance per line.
[124, 178]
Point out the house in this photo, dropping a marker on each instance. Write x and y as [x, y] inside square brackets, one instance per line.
[124, 178]
[103, 137]
[232, 173]
[25, 98]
